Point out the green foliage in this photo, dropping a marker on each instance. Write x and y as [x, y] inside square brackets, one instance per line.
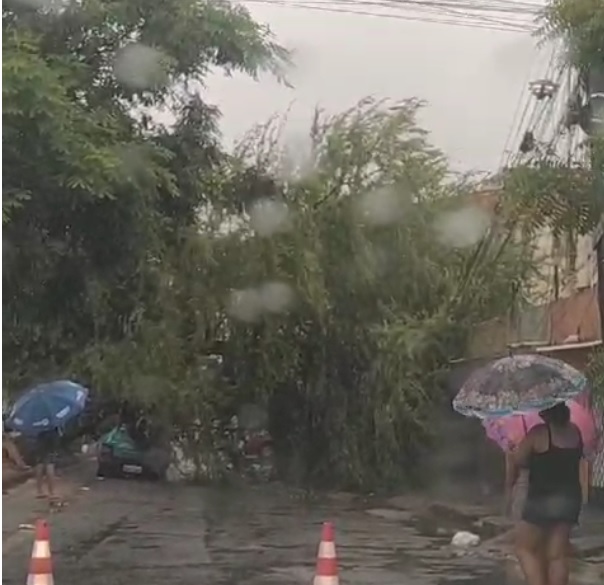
[40, 117]
[93, 191]
[547, 193]
[147, 263]
[581, 24]
[188, 36]
[350, 371]
[383, 304]
[64, 188]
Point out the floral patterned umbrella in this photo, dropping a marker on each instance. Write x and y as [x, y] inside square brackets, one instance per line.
[517, 385]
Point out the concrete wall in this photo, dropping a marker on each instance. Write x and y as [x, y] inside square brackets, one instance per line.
[571, 276]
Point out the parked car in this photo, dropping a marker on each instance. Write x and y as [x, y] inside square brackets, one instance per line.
[119, 455]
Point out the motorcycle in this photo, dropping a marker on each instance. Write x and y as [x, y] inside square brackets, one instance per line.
[257, 454]
[250, 451]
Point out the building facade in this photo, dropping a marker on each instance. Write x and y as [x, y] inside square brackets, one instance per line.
[563, 318]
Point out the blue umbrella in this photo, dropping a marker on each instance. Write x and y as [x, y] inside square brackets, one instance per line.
[47, 406]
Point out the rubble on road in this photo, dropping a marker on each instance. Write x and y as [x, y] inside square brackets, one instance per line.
[465, 539]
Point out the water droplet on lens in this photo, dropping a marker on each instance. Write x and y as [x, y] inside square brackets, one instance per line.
[463, 227]
[138, 66]
[268, 217]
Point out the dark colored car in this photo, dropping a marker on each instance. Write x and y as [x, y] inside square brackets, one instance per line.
[120, 455]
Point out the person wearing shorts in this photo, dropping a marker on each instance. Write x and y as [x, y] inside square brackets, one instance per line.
[45, 454]
[553, 454]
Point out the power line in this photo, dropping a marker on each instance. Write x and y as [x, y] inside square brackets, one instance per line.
[460, 8]
[467, 7]
[522, 108]
[511, 7]
[538, 112]
[466, 13]
[401, 12]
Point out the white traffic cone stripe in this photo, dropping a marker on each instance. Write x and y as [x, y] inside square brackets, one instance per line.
[41, 550]
[40, 580]
[321, 580]
[327, 550]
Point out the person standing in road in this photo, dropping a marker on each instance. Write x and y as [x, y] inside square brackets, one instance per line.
[553, 454]
[46, 446]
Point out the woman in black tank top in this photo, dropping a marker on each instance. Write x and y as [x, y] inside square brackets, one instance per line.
[552, 453]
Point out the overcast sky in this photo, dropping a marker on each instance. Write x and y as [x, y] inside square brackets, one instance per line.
[471, 78]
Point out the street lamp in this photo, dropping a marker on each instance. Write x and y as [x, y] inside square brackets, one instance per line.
[543, 88]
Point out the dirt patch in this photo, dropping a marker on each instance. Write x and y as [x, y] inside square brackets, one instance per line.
[12, 476]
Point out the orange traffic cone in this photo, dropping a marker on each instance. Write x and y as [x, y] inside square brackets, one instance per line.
[40, 566]
[327, 564]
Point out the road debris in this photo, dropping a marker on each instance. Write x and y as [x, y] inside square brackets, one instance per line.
[464, 539]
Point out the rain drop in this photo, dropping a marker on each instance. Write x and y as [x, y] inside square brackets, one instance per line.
[463, 227]
[381, 207]
[297, 161]
[138, 66]
[276, 297]
[245, 305]
[372, 262]
[268, 217]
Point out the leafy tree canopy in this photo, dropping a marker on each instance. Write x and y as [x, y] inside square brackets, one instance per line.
[94, 189]
[335, 297]
[581, 24]
[141, 259]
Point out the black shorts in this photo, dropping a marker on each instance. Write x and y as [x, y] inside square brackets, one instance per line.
[46, 449]
[548, 509]
[45, 457]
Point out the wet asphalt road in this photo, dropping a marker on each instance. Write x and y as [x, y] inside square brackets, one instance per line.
[117, 532]
[124, 532]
